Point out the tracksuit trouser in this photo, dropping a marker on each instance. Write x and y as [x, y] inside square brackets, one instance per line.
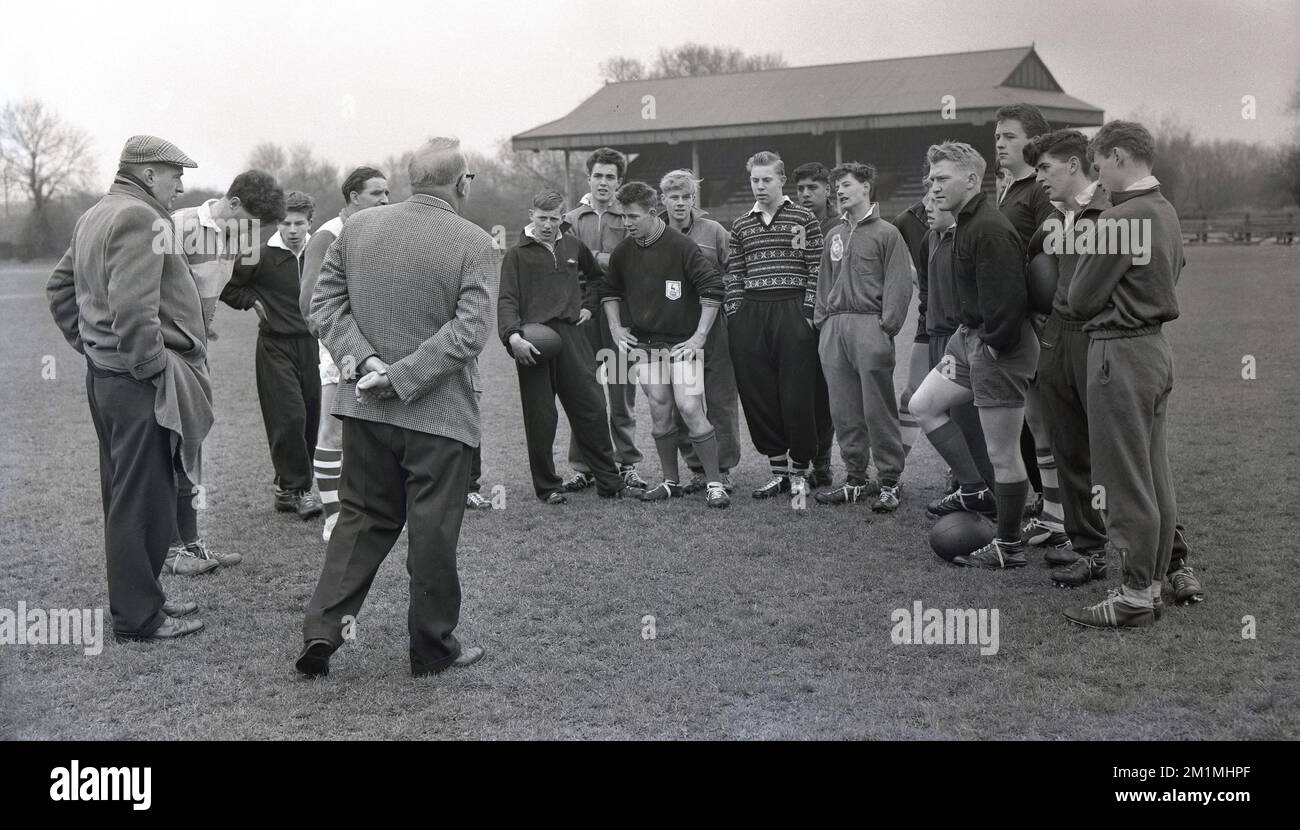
[621, 421]
[288, 390]
[1129, 383]
[570, 376]
[858, 358]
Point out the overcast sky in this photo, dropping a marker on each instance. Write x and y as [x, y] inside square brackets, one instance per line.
[361, 80]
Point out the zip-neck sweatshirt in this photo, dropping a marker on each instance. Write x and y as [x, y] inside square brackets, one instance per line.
[865, 269]
[540, 284]
[1117, 296]
[989, 264]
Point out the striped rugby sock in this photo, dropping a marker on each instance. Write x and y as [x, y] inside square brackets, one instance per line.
[1053, 514]
[779, 464]
[328, 466]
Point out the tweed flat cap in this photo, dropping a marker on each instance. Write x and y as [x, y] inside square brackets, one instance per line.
[142, 149]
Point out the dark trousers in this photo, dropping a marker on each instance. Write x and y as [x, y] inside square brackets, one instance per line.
[721, 402]
[396, 476]
[288, 389]
[1129, 383]
[965, 416]
[138, 485]
[1063, 389]
[475, 471]
[570, 375]
[774, 352]
[822, 417]
[621, 423]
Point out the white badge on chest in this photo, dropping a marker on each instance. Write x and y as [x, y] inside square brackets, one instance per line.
[673, 289]
[837, 248]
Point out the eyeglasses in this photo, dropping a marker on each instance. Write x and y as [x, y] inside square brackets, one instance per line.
[470, 176]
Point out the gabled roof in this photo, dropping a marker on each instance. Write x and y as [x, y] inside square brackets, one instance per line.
[863, 95]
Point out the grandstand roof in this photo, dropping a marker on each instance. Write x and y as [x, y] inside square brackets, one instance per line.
[879, 94]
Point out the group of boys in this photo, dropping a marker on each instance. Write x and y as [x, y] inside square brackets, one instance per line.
[1058, 418]
[1092, 378]
[793, 314]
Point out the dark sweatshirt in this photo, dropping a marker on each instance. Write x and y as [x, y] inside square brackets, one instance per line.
[274, 280]
[940, 314]
[1067, 261]
[914, 227]
[1118, 297]
[1027, 206]
[540, 285]
[664, 285]
[989, 266]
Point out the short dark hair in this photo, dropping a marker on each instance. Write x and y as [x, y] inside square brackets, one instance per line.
[637, 193]
[1029, 116]
[1059, 144]
[548, 200]
[295, 201]
[864, 173]
[260, 194]
[814, 170]
[1130, 135]
[607, 155]
[356, 181]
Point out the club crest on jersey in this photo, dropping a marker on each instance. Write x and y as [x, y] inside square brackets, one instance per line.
[673, 289]
[837, 248]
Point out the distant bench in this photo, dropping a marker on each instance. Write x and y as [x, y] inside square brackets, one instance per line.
[1240, 232]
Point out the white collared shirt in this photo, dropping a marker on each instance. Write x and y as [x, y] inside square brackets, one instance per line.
[1144, 183]
[276, 242]
[767, 217]
[528, 232]
[204, 213]
[1082, 199]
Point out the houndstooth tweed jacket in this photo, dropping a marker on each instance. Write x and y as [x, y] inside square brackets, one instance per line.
[415, 284]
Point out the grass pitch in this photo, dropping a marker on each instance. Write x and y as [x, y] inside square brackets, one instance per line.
[767, 623]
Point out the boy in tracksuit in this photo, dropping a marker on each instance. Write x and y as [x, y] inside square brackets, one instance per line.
[1061, 159]
[673, 295]
[288, 381]
[541, 282]
[771, 290]
[989, 359]
[1126, 296]
[864, 287]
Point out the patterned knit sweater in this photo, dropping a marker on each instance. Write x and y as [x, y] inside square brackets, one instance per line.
[781, 257]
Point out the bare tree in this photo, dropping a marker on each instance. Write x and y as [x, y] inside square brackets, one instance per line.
[692, 60]
[688, 61]
[619, 69]
[269, 157]
[45, 157]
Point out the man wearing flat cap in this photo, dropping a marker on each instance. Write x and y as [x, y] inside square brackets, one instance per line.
[123, 296]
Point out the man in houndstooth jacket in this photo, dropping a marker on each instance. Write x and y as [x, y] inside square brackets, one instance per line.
[405, 301]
